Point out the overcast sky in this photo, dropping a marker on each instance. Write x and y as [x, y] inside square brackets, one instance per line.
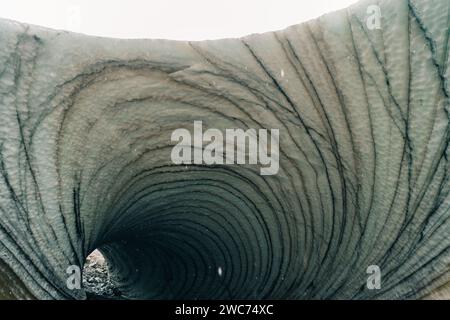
[169, 19]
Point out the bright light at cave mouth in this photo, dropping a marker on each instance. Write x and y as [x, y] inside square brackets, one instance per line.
[169, 19]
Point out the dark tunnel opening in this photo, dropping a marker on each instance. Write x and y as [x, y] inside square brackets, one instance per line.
[195, 242]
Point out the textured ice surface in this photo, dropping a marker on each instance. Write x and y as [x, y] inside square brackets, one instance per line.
[85, 127]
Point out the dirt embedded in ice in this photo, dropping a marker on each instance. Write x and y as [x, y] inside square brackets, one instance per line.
[96, 278]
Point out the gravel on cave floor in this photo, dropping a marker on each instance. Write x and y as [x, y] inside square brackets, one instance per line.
[96, 278]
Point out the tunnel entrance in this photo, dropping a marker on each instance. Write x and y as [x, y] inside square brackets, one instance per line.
[97, 281]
